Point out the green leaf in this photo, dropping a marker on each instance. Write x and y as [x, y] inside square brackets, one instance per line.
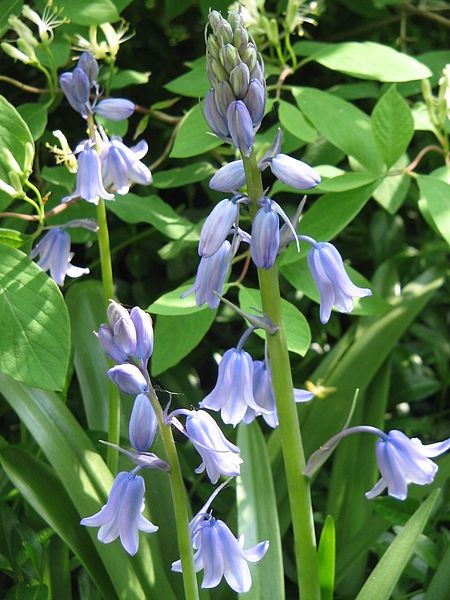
[85, 303]
[298, 333]
[194, 83]
[181, 176]
[175, 337]
[392, 125]
[12, 238]
[326, 554]
[369, 60]
[345, 182]
[344, 125]
[86, 12]
[34, 329]
[59, 176]
[293, 121]
[126, 77]
[154, 211]
[194, 136]
[15, 135]
[42, 489]
[438, 588]
[9, 7]
[35, 116]
[435, 199]
[381, 582]
[392, 191]
[257, 513]
[113, 128]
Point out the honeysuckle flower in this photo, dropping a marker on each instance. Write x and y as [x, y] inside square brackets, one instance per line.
[240, 126]
[109, 47]
[49, 21]
[265, 240]
[334, 285]
[143, 424]
[218, 226]
[144, 333]
[121, 515]
[294, 172]
[400, 459]
[233, 392]
[219, 456]
[211, 275]
[89, 185]
[115, 109]
[54, 255]
[122, 166]
[128, 378]
[219, 553]
[229, 178]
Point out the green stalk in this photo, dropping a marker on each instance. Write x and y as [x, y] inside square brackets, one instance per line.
[112, 458]
[179, 502]
[291, 440]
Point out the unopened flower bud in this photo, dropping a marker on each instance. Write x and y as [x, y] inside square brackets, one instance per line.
[249, 56]
[258, 72]
[218, 70]
[10, 161]
[15, 181]
[235, 19]
[80, 86]
[229, 57]
[105, 336]
[115, 109]
[255, 101]
[240, 39]
[213, 46]
[265, 236]
[223, 95]
[224, 32]
[128, 379]
[215, 19]
[216, 121]
[239, 80]
[89, 65]
[229, 178]
[294, 172]
[143, 325]
[143, 424]
[7, 189]
[217, 227]
[116, 311]
[241, 127]
[125, 334]
[15, 53]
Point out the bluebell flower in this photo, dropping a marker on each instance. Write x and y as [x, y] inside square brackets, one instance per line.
[105, 336]
[240, 126]
[265, 239]
[211, 275]
[219, 456]
[216, 121]
[115, 109]
[89, 186]
[121, 166]
[400, 459]
[89, 65]
[334, 285]
[125, 334]
[76, 87]
[233, 392]
[217, 226]
[143, 424]
[54, 254]
[121, 515]
[229, 178]
[128, 378]
[143, 324]
[255, 101]
[219, 553]
[294, 172]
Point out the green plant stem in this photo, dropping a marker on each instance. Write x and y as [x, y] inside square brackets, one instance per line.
[179, 501]
[112, 458]
[291, 441]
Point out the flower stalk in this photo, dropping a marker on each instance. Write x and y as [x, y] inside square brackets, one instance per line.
[290, 434]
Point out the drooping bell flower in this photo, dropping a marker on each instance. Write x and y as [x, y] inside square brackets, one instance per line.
[128, 378]
[229, 178]
[115, 109]
[76, 87]
[89, 185]
[144, 333]
[265, 238]
[217, 226]
[143, 424]
[293, 172]
[121, 166]
[240, 126]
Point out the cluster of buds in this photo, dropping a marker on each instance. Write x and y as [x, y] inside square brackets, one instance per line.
[235, 105]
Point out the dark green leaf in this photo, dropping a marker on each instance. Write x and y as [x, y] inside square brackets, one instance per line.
[85, 12]
[194, 83]
[435, 198]
[194, 137]
[326, 554]
[293, 121]
[181, 176]
[35, 116]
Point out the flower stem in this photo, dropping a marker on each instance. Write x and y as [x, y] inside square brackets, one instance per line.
[112, 458]
[179, 502]
[291, 441]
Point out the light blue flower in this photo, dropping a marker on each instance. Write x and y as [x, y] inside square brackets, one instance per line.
[143, 424]
[121, 515]
[121, 166]
[229, 178]
[294, 172]
[105, 336]
[217, 226]
[89, 186]
[334, 285]
[115, 109]
[76, 87]
[128, 378]
[240, 126]
[219, 456]
[54, 254]
[219, 553]
[216, 121]
[233, 392]
[265, 239]
[143, 324]
[255, 101]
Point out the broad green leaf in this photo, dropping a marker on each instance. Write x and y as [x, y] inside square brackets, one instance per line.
[59, 568]
[86, 12]
[326, 554]
[298, 333]
[154, 211]
[347, 181]
[171, 303]
[85, 303]
[194, 83]
[329, 215]
[175, 337]
[344, 125]
[435, 60]
[393, 189]
[113, 128]
[15, 136]
[309, 47]
[9, 7]
[194, 137]
[127, 77]
[435, 196]
[34, 328]
[392, 125]
[43, 490]
[293, 121]
[355, 91]
[12, 238]
[381, 582]
[299, 276]
[181, 176]
[59, 176]
[35, 116]
[87, 481]
[438, 587]
[257, 513]
[369, 60]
